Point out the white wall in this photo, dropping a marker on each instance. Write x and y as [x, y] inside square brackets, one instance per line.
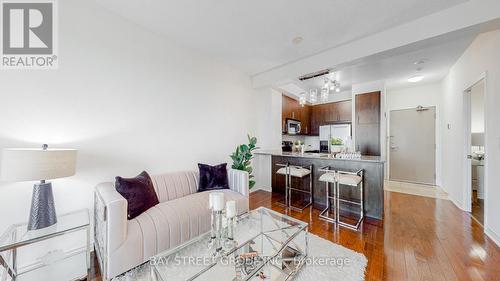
[127, 99]
[481, 57]
[267, 112]
[425, 95]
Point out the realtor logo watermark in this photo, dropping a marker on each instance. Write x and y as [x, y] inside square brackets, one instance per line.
[29, 37]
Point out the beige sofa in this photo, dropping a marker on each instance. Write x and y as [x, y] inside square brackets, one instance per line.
[181, 215]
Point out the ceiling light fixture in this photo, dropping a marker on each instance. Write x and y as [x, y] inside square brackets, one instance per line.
[324, 94]
[297, 40]
[329, 85]
[419, 62]
[302, 99]
[313, 95]
[325, 90]
[416, 78]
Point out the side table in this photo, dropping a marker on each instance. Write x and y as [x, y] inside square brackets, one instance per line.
[59, 266]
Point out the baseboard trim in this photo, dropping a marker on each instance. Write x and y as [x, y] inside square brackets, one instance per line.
[458, 204]
[260, 188]
[493, 236]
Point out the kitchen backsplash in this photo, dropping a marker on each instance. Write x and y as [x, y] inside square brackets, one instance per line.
[311, 142]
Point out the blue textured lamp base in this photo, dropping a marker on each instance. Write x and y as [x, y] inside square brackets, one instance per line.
[43, 211]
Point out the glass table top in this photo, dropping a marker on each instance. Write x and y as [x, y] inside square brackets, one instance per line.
[273, 241]
[18, 235]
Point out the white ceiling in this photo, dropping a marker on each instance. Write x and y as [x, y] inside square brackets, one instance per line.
[255, 36]
[395, 66]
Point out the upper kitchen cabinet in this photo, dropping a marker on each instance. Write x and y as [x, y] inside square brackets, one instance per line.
[291, 109]
[330, 113]
[344, 111]
[368, 123]
[305, 119]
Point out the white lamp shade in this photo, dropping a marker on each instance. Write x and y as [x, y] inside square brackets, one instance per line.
[37, 164]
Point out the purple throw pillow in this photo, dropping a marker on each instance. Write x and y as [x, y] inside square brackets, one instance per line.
[213, 177]
[139, 193]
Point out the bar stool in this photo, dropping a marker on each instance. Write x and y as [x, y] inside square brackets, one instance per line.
[295, 171]
[329, 177]
[351, 179]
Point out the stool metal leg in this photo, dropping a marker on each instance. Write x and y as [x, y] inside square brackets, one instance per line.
[362, 196]
[310, 192]
[286, 202]
[361, 206]
[287, 183]
[328, 207]
[337, 202]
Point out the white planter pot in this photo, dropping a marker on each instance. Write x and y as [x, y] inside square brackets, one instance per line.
[336, 148]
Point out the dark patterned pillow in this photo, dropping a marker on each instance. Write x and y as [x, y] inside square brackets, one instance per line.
[139, 192]
[213, 177]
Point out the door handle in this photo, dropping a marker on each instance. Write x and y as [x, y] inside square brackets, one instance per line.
[394, 147]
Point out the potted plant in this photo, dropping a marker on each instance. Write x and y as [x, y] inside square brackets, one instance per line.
[242, 158]
[336, 145]
[299, 146]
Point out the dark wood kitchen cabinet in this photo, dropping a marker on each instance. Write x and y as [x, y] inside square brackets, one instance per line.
[291, 109]
[311, 117]
[368, 123]
[330, 113]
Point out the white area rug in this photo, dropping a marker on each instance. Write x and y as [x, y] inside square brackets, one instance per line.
[353, 270]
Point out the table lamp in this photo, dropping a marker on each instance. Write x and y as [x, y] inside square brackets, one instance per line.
[40, 165]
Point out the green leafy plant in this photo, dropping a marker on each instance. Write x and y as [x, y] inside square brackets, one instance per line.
[336, 141]
[242, 158]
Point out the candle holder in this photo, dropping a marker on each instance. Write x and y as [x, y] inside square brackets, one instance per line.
[229, 242]
[216, 233]
[213, 227]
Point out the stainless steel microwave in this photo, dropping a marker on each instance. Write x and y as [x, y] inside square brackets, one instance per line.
[293, 126]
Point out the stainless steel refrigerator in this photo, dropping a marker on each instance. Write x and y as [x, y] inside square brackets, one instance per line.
[327, 132]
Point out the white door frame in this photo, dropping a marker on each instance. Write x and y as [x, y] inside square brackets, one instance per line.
[467, 169]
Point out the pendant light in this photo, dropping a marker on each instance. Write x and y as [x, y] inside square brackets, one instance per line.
[313, 95]
[302, 99]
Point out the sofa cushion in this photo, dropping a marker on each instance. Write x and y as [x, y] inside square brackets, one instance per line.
[213, 177]
[174, 222]
[170, 186]
[139, 193]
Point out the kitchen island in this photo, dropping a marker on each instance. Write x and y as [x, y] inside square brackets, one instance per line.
[373, 167]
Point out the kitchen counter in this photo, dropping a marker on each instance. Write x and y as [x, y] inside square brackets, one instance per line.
[363, 158]
[373, 168]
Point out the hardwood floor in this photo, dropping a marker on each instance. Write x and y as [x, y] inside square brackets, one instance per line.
[478, 210]
[420, 238]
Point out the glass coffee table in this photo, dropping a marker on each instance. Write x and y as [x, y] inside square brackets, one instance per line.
[268, 246]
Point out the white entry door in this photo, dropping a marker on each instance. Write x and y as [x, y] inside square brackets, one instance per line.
[412, 143]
